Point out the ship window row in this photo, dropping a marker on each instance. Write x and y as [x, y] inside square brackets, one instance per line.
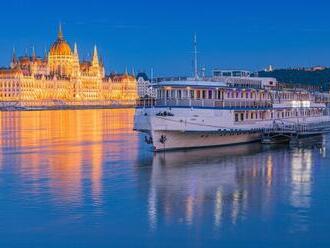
[210, 94]
[228, 94]
[265, 115]
[247, 95]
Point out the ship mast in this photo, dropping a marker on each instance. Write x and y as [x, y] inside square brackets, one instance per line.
[195, 58]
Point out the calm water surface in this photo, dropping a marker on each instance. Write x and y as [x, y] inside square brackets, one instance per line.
[85, 179]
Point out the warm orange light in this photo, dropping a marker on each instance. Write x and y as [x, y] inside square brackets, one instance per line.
[61, 78]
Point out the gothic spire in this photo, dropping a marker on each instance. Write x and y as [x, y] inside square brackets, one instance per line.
[34, 56]
[75, 53]
[60, 32]
[14, 57]
[95, 60]
[45, 54]
[75, 50]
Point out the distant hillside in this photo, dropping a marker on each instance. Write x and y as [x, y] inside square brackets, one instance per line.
[316, 78]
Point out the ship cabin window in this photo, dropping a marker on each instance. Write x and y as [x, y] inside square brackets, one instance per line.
[198, 94]
[252, 116]
[204, 94]
[218, 94]
[236, 117]
[167, 94]
[210, 94]
[192, 94]
[172, 94]
[247, 115]
[242, 116]
[179, 94]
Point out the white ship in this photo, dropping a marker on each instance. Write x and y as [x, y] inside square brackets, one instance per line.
[225, 111]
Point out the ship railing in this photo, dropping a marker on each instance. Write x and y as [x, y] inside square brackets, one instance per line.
[214, 103]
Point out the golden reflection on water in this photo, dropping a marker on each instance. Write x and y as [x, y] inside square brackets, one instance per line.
[64, 146]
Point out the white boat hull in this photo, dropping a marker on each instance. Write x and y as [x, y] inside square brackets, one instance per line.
[171, 140]
[189, 128]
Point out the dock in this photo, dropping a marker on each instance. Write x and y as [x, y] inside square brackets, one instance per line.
[282, 132]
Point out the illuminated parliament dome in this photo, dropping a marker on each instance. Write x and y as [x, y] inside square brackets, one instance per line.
[60, 56]
[60, 47]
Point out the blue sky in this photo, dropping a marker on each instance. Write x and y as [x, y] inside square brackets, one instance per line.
[144, 34]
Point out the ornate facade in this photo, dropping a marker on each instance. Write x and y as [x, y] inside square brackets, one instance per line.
[60, 77]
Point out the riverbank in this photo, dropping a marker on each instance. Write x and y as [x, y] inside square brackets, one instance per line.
[65, 107]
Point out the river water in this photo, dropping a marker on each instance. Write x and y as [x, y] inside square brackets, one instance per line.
[85, 179]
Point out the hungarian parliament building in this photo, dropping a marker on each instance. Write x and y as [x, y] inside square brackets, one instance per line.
[61, 78]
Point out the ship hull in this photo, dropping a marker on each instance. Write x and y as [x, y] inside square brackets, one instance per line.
[174, 140]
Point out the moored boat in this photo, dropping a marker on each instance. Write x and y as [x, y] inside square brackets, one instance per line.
[205, 113]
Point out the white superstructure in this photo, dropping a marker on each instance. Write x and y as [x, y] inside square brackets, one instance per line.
[202, 113]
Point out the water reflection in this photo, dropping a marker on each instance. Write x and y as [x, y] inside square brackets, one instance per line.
[89, 169]
[232, 183]
[64, 148]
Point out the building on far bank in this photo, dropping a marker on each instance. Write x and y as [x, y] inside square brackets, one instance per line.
[144, 86]
[60, 77]
[231, 73]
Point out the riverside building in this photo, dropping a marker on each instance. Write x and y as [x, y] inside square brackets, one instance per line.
[61, 78]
